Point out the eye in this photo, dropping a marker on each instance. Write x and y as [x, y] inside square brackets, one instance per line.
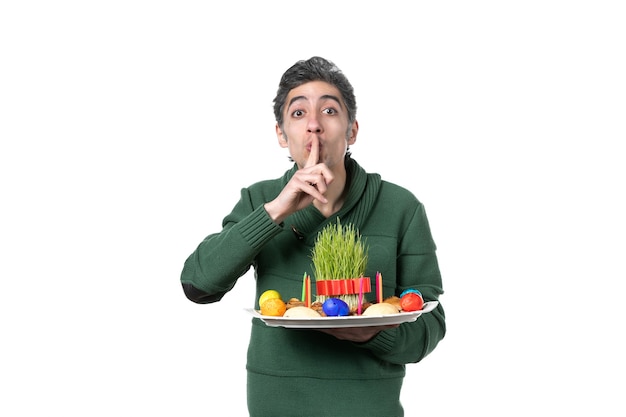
[329, 110]
[297, 113]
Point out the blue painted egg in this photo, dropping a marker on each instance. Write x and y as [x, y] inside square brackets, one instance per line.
[335, 307]
[408, 290]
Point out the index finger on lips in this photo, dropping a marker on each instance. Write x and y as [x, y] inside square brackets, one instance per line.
[314, 153]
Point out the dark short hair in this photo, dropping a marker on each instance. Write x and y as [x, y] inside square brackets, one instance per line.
[314, 69]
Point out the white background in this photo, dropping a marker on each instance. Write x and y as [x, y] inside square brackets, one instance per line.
[129, 127]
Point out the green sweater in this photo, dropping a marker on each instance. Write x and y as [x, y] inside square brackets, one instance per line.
[293, 372]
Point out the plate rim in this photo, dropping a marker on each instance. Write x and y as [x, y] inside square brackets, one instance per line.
[343, 321]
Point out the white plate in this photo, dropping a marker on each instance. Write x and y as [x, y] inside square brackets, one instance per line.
[344, 321]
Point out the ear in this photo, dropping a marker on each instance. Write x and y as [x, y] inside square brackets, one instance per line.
[282, 139]
[353, 133]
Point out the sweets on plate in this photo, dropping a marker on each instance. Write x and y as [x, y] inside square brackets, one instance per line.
[301, 312]
[393, 300]
[381, 309]
[410, 300]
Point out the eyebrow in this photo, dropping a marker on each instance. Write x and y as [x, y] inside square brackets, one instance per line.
[324, 97]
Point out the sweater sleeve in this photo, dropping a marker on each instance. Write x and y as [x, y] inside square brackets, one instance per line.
[221, 258]
[417, 267]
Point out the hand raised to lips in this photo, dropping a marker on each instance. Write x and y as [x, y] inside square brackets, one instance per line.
[307, 184]
[318, 172]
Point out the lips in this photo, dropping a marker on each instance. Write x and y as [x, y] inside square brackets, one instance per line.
[308, 147]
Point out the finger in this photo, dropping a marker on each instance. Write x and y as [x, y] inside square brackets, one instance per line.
[314, 154]
[320, 183]
[313, 190]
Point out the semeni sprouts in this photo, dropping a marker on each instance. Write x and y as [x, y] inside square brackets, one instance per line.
[339, 253]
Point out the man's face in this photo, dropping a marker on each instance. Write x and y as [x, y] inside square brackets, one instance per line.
[316, 109]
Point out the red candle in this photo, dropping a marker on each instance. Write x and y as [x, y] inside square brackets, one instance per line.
[308, 291]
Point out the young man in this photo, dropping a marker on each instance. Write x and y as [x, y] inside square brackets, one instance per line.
[340, 372]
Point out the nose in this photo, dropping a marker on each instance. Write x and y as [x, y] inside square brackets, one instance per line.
[313, 125]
